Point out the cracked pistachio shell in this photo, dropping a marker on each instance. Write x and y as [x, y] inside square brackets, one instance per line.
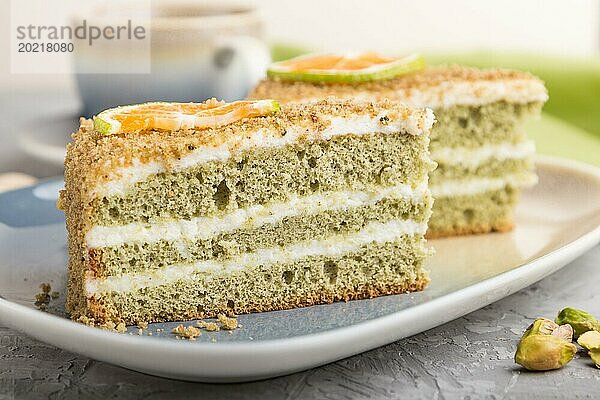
[541, 326]
[589, 340]
[595, 354]
[579, 320]
[544, 352]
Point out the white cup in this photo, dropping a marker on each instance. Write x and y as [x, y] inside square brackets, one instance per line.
[198, 51]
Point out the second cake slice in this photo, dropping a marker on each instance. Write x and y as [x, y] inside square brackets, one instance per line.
[484, 157]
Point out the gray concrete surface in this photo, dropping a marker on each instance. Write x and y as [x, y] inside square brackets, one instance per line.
[469, 358]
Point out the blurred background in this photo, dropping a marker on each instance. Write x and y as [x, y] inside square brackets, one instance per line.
[201, 49]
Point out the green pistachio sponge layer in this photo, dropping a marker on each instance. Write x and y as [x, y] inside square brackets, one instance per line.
[373, 270]
[271, 174]
[140, 256]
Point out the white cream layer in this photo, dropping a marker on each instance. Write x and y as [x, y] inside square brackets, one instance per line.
[253, 216]
[466, 187]
[448, 94]
[332, 246]
[479, 155]
[124, 178]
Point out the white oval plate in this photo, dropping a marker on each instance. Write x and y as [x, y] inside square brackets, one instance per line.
[557, 220]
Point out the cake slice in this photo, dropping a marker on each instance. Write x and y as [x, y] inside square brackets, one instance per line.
[484, 156]
[183, 211]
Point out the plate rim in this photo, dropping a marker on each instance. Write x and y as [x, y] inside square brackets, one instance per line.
[301, 351]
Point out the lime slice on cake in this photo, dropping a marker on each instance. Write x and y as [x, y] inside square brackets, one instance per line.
[176, 116]
[351, 68]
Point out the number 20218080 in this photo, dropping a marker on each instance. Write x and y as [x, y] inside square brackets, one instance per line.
[45, 47]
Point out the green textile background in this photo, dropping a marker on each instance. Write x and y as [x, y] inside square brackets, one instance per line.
[570, 125]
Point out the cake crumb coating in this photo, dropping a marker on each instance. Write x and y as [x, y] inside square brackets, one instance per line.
[436, 84]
